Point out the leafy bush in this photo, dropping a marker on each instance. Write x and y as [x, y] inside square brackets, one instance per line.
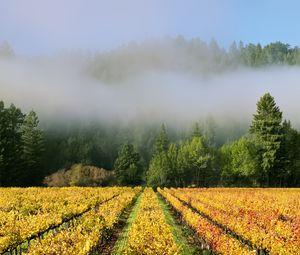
[80, 175]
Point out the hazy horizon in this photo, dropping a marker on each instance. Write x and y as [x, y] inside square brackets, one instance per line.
[168, 89]
[138, 61]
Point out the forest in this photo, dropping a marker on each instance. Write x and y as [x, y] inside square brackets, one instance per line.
[203, 152]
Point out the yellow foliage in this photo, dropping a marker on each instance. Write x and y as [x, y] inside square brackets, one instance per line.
[149, 233]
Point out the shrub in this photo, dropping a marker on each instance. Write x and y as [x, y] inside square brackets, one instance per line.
[80, 175]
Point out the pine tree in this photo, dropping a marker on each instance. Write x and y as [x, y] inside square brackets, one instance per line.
[196, 132]
[172, 155]
[128, 167]
[11, 145]
[162, 141]
[289, 171]
[159, 173]
[267, 131]
[33, 147]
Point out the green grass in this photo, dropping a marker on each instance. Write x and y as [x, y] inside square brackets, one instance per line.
[180, 233]
[122, 240]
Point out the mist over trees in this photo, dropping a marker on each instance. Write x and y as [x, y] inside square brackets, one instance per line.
[263, 157]
[6, 51]
[195, 151]
[181, 55]
[120, 85]
[192, 56]
[268, 156]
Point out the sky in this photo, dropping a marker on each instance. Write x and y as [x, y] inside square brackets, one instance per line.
[45, 27]
[38, 27]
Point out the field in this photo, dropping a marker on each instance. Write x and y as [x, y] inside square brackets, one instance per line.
[123, 220]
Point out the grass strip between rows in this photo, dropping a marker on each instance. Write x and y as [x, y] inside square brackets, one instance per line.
[122, 240]
[178, 232]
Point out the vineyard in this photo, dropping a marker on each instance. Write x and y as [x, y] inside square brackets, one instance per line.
[124, 220]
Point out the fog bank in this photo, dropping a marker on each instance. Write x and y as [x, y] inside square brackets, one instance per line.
[62, 89]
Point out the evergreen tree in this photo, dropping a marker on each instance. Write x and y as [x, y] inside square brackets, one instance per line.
[209, 131]
[234, 54]
[11, 145]
[128, 168]
[288, 173]
[159, 173]
[267, 131]
[33, 148]
[196, 132]
[259, 57]
[162, 141]
[174, 176]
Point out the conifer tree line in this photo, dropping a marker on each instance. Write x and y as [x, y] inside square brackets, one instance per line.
[21, 147]
[194, 55]
[190, 56]
[268, 155]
